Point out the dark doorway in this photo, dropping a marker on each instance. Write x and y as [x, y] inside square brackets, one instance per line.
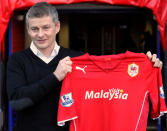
[113, 30]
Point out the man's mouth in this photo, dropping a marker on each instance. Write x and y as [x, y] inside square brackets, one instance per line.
[41, 41]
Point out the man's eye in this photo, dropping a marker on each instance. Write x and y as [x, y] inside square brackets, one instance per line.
[34, 29]
[46, 27]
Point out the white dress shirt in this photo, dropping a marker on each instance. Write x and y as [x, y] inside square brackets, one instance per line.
[41, 56]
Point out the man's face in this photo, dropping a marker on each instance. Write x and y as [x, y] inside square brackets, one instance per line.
[43, 32]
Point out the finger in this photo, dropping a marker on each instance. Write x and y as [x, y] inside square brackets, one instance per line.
[69, 62]
[161, 64]
[149, 55]
[63, 61]
[157, 63]
[68, 69]
[66, 58]
[154, 57]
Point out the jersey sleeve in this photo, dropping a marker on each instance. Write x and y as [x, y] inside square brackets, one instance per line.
[157, 96]
[66, 109]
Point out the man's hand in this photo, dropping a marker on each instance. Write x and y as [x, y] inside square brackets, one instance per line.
[64, 67]
[154, 59]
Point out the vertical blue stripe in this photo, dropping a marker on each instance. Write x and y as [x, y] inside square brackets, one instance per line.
[159, 56]
[10, 124]
[159, 124]
[158, 45]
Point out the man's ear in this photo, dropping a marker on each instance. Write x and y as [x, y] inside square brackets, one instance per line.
[58, 27]
[28, 30]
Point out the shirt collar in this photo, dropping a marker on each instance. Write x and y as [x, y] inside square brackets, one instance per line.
[38, 53]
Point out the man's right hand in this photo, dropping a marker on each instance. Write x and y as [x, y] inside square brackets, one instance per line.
[64, 67]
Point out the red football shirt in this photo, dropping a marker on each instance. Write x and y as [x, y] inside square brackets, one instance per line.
[111, 93]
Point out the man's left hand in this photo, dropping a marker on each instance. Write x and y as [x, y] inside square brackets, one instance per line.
[154, 59]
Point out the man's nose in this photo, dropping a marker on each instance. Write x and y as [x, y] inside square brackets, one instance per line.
[40, 33]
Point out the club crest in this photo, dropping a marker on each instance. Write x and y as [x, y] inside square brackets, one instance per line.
[133, 70]
[67, 100]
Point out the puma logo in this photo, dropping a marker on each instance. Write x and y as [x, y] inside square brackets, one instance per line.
[82, 69]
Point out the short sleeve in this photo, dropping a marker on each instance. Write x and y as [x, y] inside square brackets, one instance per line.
[66, 109]
[157, 96]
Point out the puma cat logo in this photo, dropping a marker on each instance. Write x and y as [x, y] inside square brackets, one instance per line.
[82, 69]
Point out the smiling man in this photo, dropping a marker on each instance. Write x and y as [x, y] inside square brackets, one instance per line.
[34, 75]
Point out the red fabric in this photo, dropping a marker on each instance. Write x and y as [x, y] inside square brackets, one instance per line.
[159, 8]
[102, 89]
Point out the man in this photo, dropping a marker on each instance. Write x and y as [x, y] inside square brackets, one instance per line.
[34, 75]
